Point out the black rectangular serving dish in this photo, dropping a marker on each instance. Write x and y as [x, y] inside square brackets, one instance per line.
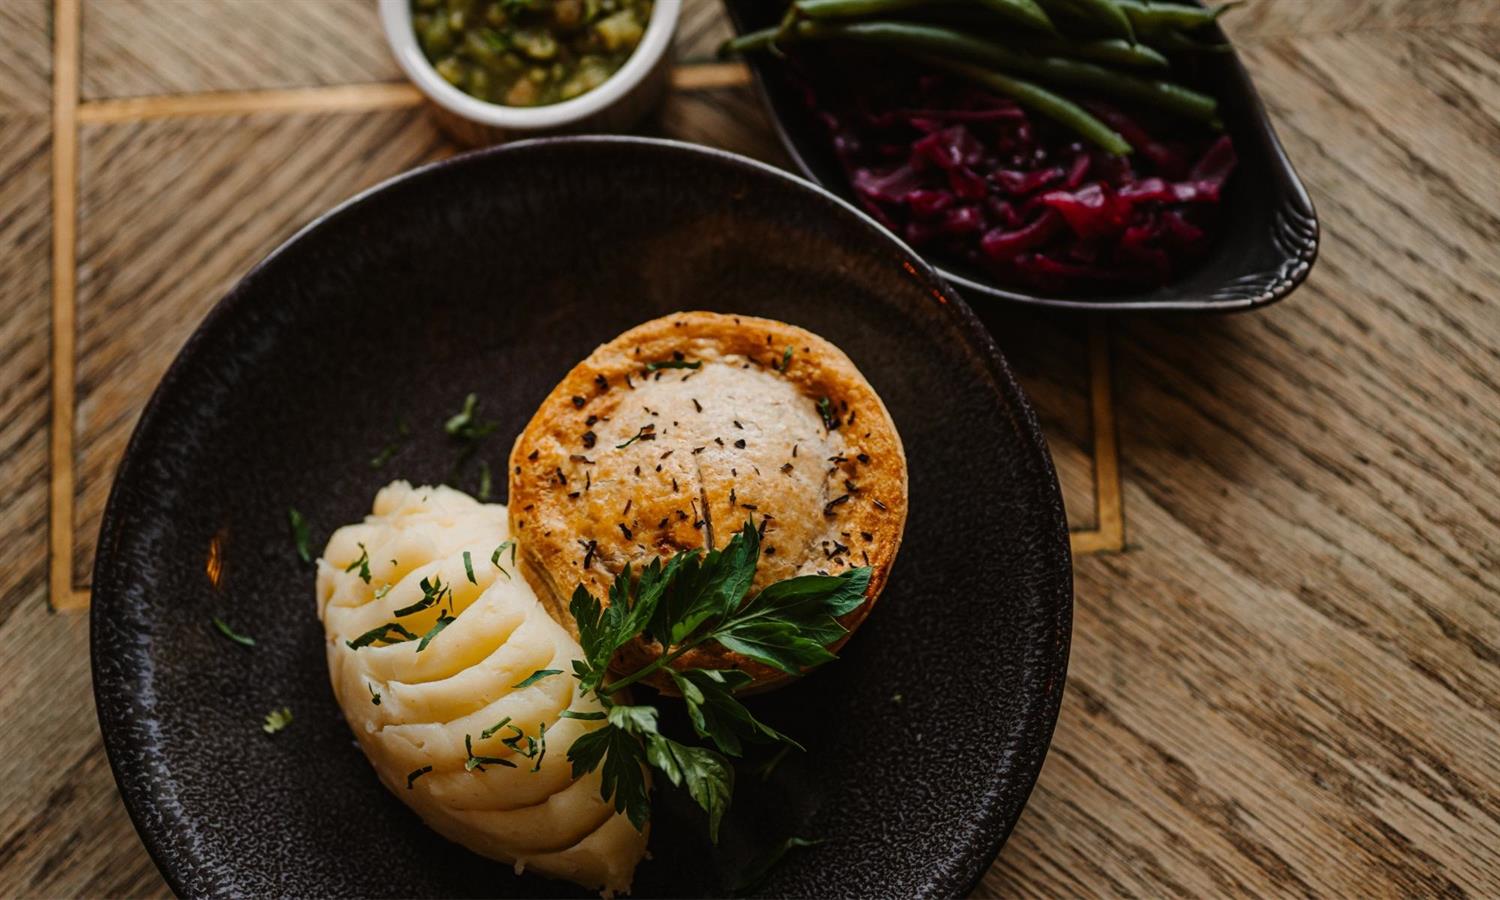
[1269, 236]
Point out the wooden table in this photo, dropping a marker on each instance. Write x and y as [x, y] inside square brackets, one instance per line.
[1286, 659]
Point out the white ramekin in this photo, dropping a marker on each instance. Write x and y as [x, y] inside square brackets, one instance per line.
[616, 105]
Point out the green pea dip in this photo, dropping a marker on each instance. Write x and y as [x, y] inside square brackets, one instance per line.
[528, 52]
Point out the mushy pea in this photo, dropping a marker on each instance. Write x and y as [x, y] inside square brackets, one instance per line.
[528, 52]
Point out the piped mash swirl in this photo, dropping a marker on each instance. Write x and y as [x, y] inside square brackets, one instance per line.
[424, 697]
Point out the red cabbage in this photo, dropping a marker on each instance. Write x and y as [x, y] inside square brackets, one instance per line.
[969, 176]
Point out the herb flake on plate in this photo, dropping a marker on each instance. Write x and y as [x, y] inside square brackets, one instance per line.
[299, 534]
[277, 719]
[243, 640]
[465, 424]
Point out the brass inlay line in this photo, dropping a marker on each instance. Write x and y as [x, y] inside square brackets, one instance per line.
[709, 76]
[1110, 508]
[339, 98]
[64, 272]
[1109, 532]
[334, 98]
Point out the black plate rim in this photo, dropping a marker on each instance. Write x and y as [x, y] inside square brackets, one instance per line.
[1289, 282]
[1000, 817]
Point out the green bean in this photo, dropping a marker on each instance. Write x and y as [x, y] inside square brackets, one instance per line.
[1155, 15]
[1105, 50]
[1174, 41]
[1028, 11]
[854, 9]
[1093, 16]
[1109, 15]
[1040, 100]
[1051, 69]
[1021, 12]
[750, 41]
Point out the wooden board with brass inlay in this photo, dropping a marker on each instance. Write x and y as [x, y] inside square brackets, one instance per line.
[221, 172]
[1286, 682]
[134, 48]
[213, 195]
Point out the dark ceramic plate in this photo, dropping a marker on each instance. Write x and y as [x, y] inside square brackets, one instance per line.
[1269, 236]
[494, 273]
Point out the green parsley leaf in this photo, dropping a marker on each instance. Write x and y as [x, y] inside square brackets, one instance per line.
[780, 645]
[700, 596]
[836, 594]
[601, 631]
[486, 483]
[759, 869]
[464, 425]
[299, 534]
[534, 677]
[495, 557]
[716, 713]
[469, 568]
[381, 633]
[514, 741]
[479, 762]
[224, 629]
[442, 622]
[825, 411]
[470, 448]
[707, 775]
[634, 719]
[789, 624]
[277, 719]
[384, 456]
[765, 769]
[433, 593]
[389, 451]
[621, 755]
[490, 731]
[786, 358]
[693, 598]
[672, 364]
[645, 433]
[542, 743]
[705, 586]
[412, 777]
[590, 716]
[362, 564]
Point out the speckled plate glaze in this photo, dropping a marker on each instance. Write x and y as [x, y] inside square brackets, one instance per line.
[1269, 238]
[494, 273]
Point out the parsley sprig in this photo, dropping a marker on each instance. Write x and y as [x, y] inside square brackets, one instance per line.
[690, 600]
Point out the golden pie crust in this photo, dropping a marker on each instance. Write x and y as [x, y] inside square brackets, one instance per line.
[674, 434]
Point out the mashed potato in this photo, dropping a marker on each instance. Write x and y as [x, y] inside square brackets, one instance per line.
[421, 714]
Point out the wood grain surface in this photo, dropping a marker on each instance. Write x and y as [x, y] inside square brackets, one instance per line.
[1287, 682]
